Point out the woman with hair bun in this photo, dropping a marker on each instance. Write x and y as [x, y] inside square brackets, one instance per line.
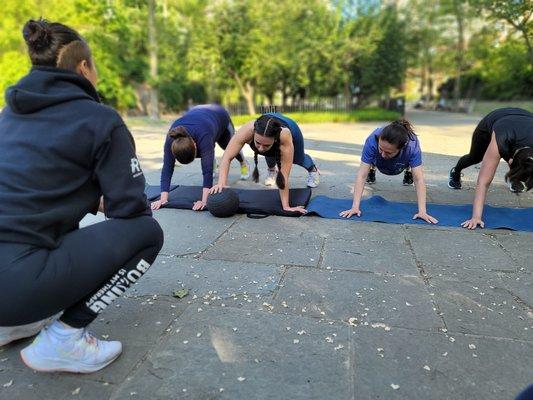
[194, 135]
[280, 140]
[392, 149]
[62, 152]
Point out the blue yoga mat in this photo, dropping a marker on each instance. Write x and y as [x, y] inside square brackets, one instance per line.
[377, 209]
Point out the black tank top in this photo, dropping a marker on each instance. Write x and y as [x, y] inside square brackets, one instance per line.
[513, 128]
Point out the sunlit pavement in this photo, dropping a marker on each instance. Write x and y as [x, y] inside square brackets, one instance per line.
[308, 308]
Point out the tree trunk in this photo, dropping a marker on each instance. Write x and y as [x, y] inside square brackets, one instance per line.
[152, 43]
[347, 95]
[423, 79]
[459, 55]
[165, 9]
[284, 96]
[528, 45]
[430, 76]
[247, 91]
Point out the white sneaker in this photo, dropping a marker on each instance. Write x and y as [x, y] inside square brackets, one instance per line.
[59, 348]
[270, 180]
[9, 334]
[245, 171]
[313, 179]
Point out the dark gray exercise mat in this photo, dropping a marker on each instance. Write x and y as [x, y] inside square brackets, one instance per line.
[253, 202]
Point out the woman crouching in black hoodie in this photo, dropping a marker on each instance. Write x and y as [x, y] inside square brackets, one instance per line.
[61, 151]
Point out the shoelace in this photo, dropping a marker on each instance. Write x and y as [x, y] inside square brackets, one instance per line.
[89, 338]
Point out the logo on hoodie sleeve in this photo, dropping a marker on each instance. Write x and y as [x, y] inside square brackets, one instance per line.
[135, 167]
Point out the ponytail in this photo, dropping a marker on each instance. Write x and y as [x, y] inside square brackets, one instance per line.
[398, 133]
[280, 180]
[255, 174]
[520, 176]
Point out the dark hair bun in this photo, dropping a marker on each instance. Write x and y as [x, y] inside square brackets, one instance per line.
[178, 132]
[37, 34]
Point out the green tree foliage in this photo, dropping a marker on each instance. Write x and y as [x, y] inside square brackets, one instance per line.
[288, 51]
[517, 13]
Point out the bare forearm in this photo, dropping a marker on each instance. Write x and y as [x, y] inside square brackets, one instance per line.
[358, 189]
[205, 194]
[420, 188]
[224, 170]
[284, 197]
[479, 198]
[164, 197]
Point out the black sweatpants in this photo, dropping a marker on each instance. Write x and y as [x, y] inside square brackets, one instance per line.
[223, 141]
[480, 143]
[91, 267]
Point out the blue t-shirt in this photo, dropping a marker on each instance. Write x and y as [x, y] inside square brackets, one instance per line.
[409, 156]
[206, 124]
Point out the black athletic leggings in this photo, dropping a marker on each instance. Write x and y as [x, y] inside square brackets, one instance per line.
[92, 267]
[223, 141]
[480, 143]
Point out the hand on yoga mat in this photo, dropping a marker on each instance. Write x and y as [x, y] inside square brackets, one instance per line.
[156, 205]
[351, 212]
[299, 209]
[198, 205]
[217, 188]
[472, 223]
[426, 217]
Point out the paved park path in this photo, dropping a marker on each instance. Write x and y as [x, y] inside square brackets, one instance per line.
[307, 308]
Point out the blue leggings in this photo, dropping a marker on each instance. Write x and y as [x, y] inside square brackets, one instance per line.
[300, 157]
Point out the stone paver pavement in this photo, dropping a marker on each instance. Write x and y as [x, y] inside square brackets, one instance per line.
[307, 308]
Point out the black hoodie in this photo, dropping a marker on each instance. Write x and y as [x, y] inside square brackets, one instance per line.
[60, 149]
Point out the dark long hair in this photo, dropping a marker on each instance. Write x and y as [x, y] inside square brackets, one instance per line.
[520, 175]
[55, 45]
[398, 133]
[269, 126]
[182, 146]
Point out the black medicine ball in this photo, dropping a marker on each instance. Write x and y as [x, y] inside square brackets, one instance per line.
[224, 204]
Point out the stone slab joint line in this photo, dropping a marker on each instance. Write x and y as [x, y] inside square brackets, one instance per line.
[280, 284]
[425, 277]
[494, 238]
[518, 300]
[163, 336]
[218, 238]
[321, 254]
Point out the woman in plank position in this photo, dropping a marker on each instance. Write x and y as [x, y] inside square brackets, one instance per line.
[194, 135]
[392, 149]
[280, 140]
[504, 133]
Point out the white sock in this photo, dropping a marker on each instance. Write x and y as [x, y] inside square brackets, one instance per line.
[59, 331]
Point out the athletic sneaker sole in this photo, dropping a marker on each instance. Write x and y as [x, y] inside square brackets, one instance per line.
[454, 188]
[60, 367]
[29, 330]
